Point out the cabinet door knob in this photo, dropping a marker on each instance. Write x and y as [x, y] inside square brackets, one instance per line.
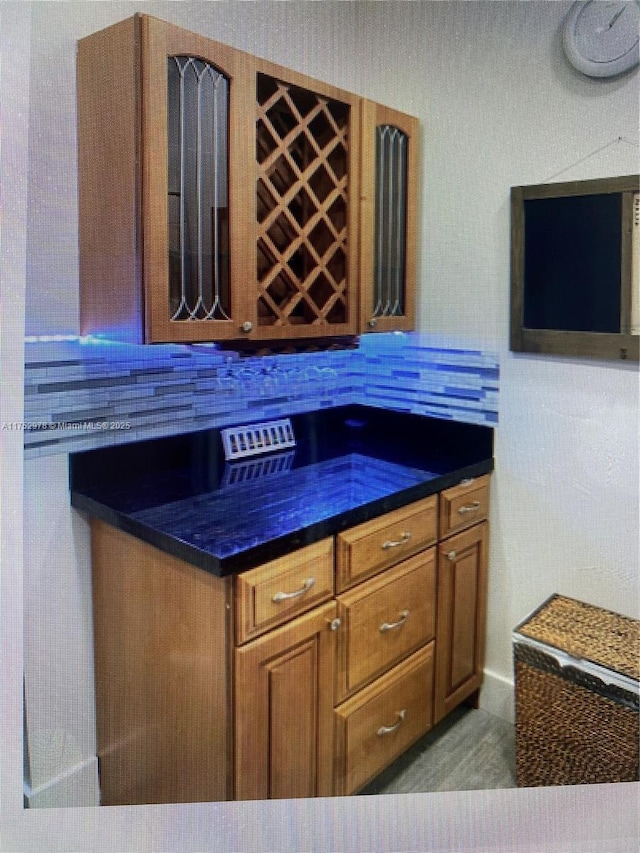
[387, 730]
[393, 543]
[247, 326]
[373, 322]
[335, 624]
[389, 626]
[285, 596]
[452, 556]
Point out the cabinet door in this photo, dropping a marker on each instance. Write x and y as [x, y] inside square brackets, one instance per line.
[197, 158]
[284, 710]
[307, 199]
[460, 627]
[388, 229]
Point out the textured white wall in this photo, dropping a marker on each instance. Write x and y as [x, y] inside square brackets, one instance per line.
[498, 106]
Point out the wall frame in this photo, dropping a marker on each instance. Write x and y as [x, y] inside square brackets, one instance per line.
[574, 268]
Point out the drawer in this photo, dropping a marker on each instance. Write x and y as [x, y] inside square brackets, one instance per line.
[384, 620]
[463, 505]
[380, 722]
[276, 591]
[375, 545]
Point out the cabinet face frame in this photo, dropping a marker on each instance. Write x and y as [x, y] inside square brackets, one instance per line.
[609, 345]
[374, 115]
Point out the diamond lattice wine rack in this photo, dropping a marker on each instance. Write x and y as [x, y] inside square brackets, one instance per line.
[302, 205]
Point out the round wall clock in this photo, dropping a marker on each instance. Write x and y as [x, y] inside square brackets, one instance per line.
[601, 39]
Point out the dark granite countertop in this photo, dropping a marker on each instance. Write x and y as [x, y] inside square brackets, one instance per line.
[350, 464]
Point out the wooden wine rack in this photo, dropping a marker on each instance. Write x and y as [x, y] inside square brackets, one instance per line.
[302, 203]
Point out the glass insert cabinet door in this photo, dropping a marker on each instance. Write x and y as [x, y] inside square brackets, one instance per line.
[388, 218]
[196, 131]
[198, 191]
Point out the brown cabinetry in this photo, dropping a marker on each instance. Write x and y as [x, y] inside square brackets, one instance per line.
[279, 590]
[389, 209]
[307, 200]
[369, 548]
[276, 682]
[163, 196]
[219, 195]
[162, 646]
[385, 619]
[377, 724]
[283, 712]
[462, 591]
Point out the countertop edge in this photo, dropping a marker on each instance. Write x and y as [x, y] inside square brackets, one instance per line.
[279, 546]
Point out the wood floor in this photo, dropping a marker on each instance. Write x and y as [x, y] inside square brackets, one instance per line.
[469, 750]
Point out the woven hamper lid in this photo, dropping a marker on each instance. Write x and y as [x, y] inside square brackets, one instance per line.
[587, 632]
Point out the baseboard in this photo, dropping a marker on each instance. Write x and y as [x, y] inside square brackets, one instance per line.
[497, 696]
[78, 786]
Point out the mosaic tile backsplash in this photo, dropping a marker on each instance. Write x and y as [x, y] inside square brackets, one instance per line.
[83, 394]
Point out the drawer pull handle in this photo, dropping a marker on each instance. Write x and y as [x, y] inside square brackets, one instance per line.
[393, 543]
[387, 730]
[474, 506]
[389, 626]
[285, 596]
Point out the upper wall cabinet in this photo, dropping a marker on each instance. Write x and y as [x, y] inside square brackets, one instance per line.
[164, 148]
[389, 205]
[219, 194]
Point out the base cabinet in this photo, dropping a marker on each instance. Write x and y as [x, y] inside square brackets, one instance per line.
[303, 677]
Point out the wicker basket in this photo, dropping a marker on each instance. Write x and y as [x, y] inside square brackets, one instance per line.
[577, 673]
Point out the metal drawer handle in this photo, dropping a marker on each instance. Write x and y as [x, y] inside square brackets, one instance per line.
[474, 506]
[393, 543]
[285, 596]
[389, 626]
[387, 730]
